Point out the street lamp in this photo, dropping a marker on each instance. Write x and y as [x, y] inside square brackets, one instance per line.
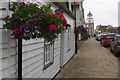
[75, 28]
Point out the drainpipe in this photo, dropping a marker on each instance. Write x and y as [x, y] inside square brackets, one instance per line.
[75, 28]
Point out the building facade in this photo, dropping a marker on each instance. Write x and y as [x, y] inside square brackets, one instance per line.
[101, 28]
[79, 12]
[33, 59]
[90, 24]
[119, 13]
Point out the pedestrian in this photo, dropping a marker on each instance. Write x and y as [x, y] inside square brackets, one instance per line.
[94, 35]
[89, 36]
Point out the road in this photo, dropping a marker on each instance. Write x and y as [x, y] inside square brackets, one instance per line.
[92, 61]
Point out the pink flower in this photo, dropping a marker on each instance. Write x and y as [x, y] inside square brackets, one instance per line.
[27, 5]
[61, 15]
[51, 14]
[20, 3]
[64, 27]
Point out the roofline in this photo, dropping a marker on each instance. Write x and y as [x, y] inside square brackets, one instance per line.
[60, 6]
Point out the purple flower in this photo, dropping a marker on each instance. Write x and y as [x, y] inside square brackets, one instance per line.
[33, 27]
[3, 25]
[13, 16]
[16, 37]
[38, 14]
[7, 18]
[34, 21]
[42, 15]
[20, 28]
[16, 24]
[27, 5]
[62, 11]
[10, 27]
[11, 8]
[29, 21]
[57, 9]
[20, 3]
[26, 27]
[19, 6]
[41, 22]
[36, 30]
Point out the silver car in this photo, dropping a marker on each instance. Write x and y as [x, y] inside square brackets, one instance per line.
[115, 45]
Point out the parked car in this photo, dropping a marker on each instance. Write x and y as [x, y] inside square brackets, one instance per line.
[106, 39]
[98, 37]
[115, 45]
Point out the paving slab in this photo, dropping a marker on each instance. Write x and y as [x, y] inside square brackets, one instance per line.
[92, 61]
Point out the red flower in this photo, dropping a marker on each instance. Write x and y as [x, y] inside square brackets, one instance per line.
[61, 15]
[51, 14]
[64, 21]
[52, 27]
[16, 31]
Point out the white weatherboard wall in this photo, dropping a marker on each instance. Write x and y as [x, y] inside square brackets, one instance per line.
[33, 55]
[70, 53]
[119, 13]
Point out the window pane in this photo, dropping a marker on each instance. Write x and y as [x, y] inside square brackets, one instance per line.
[45, 57]
[48, 56]
[48, 47]
[45, 48]
[110, 37]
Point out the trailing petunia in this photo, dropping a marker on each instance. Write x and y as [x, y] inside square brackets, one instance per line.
[13, 16]
[20, 3]
[34, 21]
[64, 21]
[28, 21]
[51, 14]
[20, 29]
[27, 4]
[33, 27]
[16, 24]
[52, 27]
[26, 27]
[61, 15]
[42, 15]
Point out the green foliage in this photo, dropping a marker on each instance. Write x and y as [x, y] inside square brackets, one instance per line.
[28, 21]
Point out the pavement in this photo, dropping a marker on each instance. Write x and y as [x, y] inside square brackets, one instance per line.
[92, 61]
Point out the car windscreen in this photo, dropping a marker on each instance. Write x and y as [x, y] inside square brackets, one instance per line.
[110, 36]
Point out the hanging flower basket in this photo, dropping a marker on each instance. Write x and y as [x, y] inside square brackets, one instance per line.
[29, 21]
[82, 28]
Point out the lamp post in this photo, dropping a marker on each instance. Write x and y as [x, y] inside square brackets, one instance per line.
[75, 28]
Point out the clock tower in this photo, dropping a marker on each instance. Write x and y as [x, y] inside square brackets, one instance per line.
[90, 24]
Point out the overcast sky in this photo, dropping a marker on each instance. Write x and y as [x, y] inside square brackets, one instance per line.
[104, 11]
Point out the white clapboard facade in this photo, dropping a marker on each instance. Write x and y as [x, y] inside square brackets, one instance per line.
[34, 52]
[119, 13]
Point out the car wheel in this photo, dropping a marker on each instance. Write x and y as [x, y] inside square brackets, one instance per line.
[111, 49]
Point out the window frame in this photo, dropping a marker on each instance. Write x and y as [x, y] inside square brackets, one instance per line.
[69, 39]
[49, 63]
